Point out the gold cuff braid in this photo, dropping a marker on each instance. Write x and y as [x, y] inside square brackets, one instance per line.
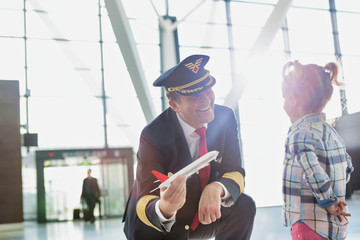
[236, 177]
[140, 210]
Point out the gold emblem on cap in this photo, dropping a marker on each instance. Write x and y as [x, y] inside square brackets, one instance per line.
[194, 67]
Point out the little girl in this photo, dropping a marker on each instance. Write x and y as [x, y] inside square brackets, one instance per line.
[316, 165]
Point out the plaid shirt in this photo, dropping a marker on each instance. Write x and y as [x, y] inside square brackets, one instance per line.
[316, 169]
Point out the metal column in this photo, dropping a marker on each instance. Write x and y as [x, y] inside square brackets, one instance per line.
[169, 50]
[343, 100]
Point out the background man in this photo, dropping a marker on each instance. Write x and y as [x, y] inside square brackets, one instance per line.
[91, 194]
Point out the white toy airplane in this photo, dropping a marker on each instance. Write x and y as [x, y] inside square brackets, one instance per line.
[189, 170]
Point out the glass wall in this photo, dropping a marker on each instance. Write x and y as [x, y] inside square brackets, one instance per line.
[54, 50]
[349, 15]
[263, 123]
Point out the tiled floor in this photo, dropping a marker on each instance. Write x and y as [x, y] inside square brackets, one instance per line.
[268, 226]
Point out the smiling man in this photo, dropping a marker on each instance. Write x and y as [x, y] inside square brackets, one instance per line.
[208, 204]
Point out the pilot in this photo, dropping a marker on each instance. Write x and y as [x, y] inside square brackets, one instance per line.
[208, 204]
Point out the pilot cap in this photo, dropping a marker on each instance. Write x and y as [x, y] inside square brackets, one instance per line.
[189, 77]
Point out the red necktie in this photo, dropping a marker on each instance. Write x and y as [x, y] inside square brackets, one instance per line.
[204, 172]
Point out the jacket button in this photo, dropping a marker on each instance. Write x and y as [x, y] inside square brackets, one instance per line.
[187, 227]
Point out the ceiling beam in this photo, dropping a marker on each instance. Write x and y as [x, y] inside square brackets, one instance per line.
[126, 42]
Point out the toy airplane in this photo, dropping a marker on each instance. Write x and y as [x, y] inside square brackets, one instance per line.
[189, 170]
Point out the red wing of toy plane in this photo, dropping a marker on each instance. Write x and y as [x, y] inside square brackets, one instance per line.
[162, 178]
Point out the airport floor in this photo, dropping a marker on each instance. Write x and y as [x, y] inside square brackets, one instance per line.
[268, 226]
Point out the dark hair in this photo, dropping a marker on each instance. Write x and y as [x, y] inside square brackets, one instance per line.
[172, 95]
[311, 83]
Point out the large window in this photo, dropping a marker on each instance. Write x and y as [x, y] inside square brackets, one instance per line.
[263, 123]
[349, 15]
[57, 56]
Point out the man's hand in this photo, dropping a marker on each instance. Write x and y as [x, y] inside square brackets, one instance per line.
[210, 203]
[174, 197]
[338, 210]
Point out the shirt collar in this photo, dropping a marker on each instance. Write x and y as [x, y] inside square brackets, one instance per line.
[187, 129]
[309, 118]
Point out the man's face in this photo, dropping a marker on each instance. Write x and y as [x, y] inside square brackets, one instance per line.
[195, 110]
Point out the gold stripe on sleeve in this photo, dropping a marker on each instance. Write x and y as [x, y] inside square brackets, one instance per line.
[140, 210]
[236, 177]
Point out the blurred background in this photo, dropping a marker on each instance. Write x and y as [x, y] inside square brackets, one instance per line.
[85, 70]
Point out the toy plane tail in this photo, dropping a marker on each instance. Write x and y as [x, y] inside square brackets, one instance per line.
[162, 178]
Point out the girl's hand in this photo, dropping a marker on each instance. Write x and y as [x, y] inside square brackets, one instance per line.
[338, 209]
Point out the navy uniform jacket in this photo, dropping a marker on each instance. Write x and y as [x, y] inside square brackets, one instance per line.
[163, 148]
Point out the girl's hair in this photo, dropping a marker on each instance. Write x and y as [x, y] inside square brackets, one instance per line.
[312, 84]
